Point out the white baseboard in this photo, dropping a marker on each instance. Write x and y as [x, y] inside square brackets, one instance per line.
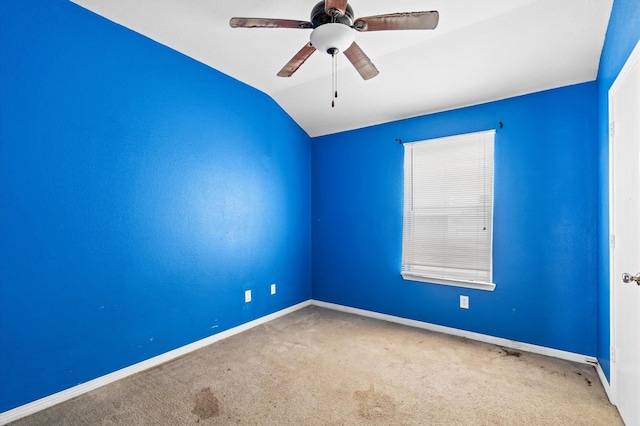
[67, 394]
[57, 398]
[512, 344]
[605, 383]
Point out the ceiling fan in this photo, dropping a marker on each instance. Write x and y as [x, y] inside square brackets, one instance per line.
[332, 22]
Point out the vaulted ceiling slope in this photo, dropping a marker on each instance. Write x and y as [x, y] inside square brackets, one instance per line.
[481, 51]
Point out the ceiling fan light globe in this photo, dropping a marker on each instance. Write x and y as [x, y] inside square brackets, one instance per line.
[328, 37]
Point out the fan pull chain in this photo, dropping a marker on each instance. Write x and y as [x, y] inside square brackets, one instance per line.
[334, 70]
[334, 76]
[335, 79]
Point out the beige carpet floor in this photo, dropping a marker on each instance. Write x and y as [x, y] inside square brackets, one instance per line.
[320, 367]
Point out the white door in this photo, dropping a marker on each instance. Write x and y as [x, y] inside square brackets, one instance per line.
[624, 142]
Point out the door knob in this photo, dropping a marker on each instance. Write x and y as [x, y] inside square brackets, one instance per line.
[627, 278]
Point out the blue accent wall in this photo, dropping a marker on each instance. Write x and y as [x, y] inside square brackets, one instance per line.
[623, 34]
[545, 221]
[141, 193]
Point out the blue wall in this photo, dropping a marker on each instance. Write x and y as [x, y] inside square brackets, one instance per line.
[622, 36]
[545, 221]
[141, 194]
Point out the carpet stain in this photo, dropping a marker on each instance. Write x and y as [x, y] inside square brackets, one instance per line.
[374, 405]
[205, 404]
[508, 352]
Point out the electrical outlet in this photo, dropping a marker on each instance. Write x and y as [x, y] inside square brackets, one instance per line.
[273, 289]
[464, 302]
[247, 296]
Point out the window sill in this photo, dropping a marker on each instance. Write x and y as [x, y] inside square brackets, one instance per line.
[477, 285]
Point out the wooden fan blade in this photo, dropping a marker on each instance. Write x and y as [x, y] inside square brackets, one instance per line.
[361, 62]
[268, 23]
[335, 7]
[295, 62]
[398, 21]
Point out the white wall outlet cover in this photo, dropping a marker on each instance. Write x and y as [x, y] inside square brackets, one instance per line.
[273, 289]
[247, 296]
[464, 302]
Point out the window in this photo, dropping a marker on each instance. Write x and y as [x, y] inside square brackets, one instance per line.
[448, 210]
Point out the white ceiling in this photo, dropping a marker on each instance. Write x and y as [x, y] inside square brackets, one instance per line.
[482, 50]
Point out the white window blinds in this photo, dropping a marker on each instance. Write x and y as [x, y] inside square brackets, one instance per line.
[448, 210]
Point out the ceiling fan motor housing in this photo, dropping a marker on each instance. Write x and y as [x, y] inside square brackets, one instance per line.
[320, 17]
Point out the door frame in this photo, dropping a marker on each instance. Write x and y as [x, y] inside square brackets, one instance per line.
[633, 59]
